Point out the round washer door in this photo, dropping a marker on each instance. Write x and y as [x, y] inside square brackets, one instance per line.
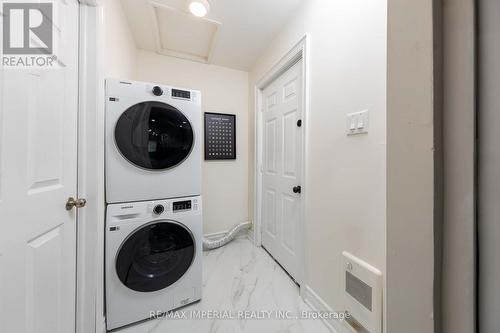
[154, 135]
[155, 256]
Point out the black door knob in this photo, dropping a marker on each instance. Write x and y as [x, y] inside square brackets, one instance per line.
[297, 189]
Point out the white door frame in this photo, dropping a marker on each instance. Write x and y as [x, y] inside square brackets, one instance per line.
[90, 231]
[299, 52]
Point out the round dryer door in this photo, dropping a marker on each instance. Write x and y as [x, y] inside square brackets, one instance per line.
[155, 256]
[154, 135]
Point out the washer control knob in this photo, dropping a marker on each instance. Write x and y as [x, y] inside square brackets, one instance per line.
[158, 209]
[157, 91]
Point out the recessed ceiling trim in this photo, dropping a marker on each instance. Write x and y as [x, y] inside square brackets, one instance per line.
[213, 42]
[160, 49]
[248, 29]
[182, 55]
[156, 26]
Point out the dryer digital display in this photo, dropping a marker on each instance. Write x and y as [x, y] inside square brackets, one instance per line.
[181, 205]
[176, 93]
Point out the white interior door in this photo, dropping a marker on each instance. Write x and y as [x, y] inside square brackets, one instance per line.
[38, 172]
[281, 167]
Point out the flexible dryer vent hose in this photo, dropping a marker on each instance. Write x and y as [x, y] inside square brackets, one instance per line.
[211, 244]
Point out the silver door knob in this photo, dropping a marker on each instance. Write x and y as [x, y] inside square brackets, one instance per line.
[72, 202]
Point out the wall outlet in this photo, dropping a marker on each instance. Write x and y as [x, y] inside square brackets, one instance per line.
[357, 122]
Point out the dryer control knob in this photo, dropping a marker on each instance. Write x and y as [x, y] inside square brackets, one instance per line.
[158, 209]
[157, 91]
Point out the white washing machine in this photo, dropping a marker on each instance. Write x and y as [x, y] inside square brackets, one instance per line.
[153, 258]
[153, 141]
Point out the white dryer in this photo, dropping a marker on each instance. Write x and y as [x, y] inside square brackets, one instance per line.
[153, 258]
[153, 141]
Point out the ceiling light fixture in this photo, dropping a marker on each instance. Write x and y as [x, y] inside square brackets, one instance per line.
[199, 8]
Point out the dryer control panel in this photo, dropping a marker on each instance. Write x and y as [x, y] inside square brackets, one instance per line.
[181, 205]
[183, 94]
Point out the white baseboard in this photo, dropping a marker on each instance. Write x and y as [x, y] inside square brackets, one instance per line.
[242, 234]
[250, 234]
[101, 326]
[317, 304]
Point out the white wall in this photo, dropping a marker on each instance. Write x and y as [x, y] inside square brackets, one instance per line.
[459, 232]
[225, 183]
[119, 46]
[412, 171]
[347, 194]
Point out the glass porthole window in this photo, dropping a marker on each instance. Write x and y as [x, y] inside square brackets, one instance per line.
[155, 256]
[154, 135]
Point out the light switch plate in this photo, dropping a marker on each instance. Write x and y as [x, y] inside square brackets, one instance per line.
[357, 122]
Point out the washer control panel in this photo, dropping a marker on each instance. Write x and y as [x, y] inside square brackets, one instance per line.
[126, 212]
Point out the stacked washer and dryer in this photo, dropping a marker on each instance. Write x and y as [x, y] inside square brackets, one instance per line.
[153, 245]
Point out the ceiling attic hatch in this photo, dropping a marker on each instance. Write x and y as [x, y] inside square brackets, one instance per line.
[182, 35]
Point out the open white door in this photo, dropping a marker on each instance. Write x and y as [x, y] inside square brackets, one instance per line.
[38, 172]
[281, 168]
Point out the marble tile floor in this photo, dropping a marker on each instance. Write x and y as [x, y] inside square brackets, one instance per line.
[240, 277]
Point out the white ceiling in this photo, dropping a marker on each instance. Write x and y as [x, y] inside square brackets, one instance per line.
[241, 29]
